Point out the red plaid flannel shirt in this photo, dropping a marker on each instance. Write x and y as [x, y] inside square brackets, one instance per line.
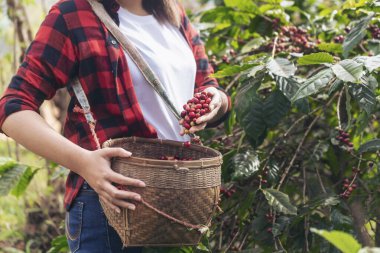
[73, 42]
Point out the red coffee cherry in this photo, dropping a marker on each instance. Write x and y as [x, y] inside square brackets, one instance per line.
[192, 114]
[186, 125]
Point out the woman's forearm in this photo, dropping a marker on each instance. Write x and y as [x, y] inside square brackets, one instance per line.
[30, 130]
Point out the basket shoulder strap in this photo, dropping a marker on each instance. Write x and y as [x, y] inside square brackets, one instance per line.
[86, 109]
[132, 51]
[82, 99]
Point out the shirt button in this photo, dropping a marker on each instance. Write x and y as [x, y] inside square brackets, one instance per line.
[113, 42]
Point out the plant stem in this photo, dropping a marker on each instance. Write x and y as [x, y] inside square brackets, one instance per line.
[298, 150]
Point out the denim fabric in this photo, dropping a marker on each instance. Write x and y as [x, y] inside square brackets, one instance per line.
[87, 229]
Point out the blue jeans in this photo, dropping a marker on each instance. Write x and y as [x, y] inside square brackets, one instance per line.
[87, 229]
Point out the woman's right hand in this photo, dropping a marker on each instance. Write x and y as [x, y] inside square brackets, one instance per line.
[93, 166]
[96, 170]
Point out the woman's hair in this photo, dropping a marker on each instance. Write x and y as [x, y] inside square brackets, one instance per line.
[163, 10]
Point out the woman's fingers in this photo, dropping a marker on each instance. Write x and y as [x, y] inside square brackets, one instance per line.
[114, 152]
[123, 204]
[209, 116]
[216, 100]
[197, 128]
[115, 193]
[109, 204]
[122, 180]
[116, 204]
[118, 197]
[214, 106]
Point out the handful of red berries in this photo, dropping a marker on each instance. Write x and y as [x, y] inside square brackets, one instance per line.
[195, 108]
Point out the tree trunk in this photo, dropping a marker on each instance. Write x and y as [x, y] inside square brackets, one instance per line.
[358, 215]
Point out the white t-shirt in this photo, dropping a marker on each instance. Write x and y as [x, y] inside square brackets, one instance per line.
[169, 55]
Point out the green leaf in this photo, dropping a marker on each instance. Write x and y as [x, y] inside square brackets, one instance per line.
[255, 70]
[10, 178]
[317, 58]
[344, 106]
[372, 63]
[6, 163]
[279, 201]
[330, 47]
[364, 96]
[202, 247]
[24, 182]
[323, 200]
[356, 34]
[11, 250]
[59, 245]
[302, 105]
[231, 70]
[246, 5]
[220, 14]
[369, 250]
[245, 164]
[246, 204]
[374, 46]
[314, 84]
[339, 219]
[273, 171]
[362, 121]
[286, 4]
[249, 109]
[288, 86]
[318, 151]
[343, 241]
[281, 224]
[348, 71]
[252, 45]
[335, 86]
[370, 146]
[276, 107]
[370, 81]
[281, 67]
[353, 4]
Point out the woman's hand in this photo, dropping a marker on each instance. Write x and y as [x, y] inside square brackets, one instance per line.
[218, 107]
[93, 166]
[99, 175]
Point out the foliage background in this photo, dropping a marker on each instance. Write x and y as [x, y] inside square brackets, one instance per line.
[300, 146]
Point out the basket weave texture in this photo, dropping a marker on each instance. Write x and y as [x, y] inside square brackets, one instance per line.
[179, 199]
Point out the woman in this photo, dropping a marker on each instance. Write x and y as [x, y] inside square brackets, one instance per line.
[72, 42]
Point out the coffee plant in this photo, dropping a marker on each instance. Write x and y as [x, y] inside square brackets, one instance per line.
[301, 145]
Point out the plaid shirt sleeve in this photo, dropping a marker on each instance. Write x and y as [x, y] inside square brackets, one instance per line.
[47, 66]
[203, 78]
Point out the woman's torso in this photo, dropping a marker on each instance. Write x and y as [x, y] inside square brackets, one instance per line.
[169, 55]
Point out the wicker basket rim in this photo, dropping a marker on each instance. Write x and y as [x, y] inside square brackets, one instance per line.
[169, 164]
[203, 162]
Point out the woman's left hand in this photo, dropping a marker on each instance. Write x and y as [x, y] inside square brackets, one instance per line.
[218, 107]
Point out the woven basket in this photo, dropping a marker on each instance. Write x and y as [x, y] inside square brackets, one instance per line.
[179, 199]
